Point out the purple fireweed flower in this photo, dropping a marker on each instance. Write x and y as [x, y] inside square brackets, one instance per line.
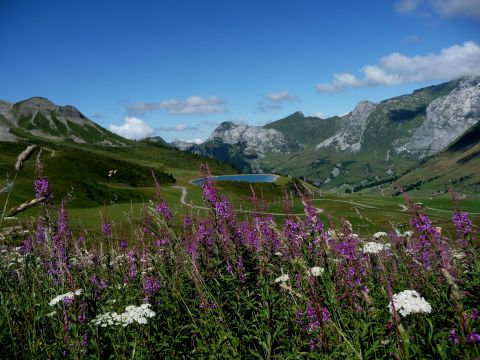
[294, 232]
[475, 315]
[82, 315]
[223, 209]
[209, 192]
[241, 269]
[123, 244]
[150, 287]
[473, 337]
[27, 246]
[132, 267]
[351, 265]
[84, 341]
[248, 236]
[313, 321]
[66, 320]
[99, 283]
[266, 227]
[164, 209]
[463, 226]
[426, 247]
[315, 225]
[205, 234]
[42, 188]
[106, 230]
[40, 232]
[453, 337]
[68, 301]
[229, 267]
[312, 318]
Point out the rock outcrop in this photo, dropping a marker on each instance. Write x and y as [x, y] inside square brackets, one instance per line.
[353, 126]
[448, 117]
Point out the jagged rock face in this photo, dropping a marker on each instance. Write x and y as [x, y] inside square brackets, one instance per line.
[183, 145]
[353, 126]
[447, 118]
[255, 139]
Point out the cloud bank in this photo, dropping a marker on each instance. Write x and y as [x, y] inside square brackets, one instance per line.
[444, 8]
[133, 128]
[394, 69]
[192, 105]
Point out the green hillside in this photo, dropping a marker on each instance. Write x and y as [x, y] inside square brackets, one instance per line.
[306, 130]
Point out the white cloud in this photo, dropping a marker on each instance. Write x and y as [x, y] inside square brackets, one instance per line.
[132, 128]
[195, 141]
[452, 62]
[407, 6]
[445, 8]
[281, 96]
[319, 115]
[274, 100]
[190, 106]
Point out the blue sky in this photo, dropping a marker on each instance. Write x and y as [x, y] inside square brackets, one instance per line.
[178, 68]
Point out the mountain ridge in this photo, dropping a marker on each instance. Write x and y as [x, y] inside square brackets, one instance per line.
[374, 141]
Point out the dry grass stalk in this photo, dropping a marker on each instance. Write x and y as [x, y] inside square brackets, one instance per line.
[25, 205]
[24, 155]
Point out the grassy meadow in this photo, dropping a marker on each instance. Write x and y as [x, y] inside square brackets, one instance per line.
[269, 271]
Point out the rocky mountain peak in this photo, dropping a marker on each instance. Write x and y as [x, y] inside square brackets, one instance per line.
[34, 104]
[350, 136]
[183, 145]
[70, 111]
[363, 108]
[447, 118]
[225, 126]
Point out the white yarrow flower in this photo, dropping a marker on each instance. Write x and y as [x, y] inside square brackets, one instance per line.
[410, 302]
[372, 247]
[282, 279]
[379, 234]
[316, 271]
[60, 298]
[132, 314]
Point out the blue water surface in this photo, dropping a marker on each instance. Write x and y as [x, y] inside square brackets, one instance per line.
[252, 178]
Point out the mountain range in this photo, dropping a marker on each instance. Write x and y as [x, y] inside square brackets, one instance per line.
[375, 143]
[429, 138]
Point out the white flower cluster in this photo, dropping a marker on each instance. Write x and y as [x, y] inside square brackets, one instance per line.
[379, 234]
[60, 298]
[132, 314]
[282, 279]
[457, 255]
[410, 302]
[316, 271]
[374, 248]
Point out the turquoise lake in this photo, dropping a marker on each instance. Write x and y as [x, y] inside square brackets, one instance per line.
[251, 178]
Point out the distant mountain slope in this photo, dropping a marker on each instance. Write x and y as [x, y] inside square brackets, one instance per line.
[244, 146]
[458, 166]
[306, 130]
[78, 155]
[38, 117]
[372, 143]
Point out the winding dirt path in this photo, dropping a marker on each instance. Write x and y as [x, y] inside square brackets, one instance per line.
[348, 202]
[183, 200]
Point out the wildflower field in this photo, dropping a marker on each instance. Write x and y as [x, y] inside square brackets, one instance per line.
[229, 286]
